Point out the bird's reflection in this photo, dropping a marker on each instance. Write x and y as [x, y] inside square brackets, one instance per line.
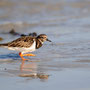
[28, 67]
[31, 70]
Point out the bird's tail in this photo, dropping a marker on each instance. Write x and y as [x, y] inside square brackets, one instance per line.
[3, 44]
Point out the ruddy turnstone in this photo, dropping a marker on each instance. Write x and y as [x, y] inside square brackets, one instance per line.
[26, 44]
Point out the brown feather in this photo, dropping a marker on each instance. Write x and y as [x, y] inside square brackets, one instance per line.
[38, 44]
[25, 41]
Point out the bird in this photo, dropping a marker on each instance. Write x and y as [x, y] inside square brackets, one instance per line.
[26, 44]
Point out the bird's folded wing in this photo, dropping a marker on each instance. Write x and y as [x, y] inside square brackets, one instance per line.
[25, 41]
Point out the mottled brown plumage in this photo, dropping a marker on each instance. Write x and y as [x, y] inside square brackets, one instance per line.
[38, 44]
[25, 41]
[26, 44]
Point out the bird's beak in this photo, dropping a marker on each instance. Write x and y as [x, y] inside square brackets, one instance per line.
[48, 40]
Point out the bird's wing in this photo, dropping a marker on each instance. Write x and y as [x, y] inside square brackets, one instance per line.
[25, 41]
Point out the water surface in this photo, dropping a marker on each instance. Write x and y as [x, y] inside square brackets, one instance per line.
[64, 63]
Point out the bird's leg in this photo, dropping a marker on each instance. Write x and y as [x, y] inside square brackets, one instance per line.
[21, 55]
[28, 55]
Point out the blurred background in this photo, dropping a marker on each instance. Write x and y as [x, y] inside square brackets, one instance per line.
[43, 14]
[65, 62]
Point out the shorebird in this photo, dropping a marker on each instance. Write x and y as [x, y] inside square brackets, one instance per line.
[26, 44]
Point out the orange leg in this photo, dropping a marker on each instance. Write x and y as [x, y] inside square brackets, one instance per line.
[28, 55]
[21, 55]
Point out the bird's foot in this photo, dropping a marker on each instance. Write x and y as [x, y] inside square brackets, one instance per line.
[21, 55]
[28, 55]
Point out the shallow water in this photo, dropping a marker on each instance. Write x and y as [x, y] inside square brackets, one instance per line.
[64, 63]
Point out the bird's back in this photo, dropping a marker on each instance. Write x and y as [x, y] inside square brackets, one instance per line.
[25, 41]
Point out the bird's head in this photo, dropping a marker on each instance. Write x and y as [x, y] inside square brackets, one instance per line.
[43, 37]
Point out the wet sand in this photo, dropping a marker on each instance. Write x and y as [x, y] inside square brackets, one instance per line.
[63, 64]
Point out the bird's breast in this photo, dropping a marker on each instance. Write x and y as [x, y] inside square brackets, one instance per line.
[38, 44]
